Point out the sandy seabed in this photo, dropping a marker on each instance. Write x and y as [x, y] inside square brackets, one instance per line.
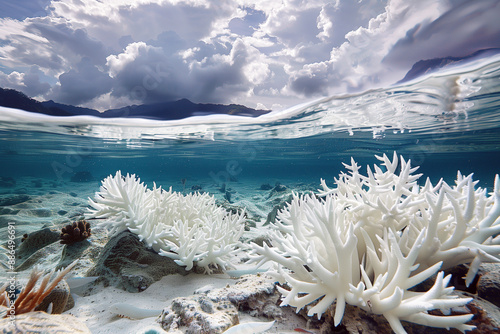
[53, 204]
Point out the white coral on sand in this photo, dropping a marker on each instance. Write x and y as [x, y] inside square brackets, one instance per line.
[372, 237]
[187, 228]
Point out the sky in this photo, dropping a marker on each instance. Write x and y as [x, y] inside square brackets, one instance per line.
[263, 54]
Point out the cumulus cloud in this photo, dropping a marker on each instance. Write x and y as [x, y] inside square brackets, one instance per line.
[28, 82]
[150, 74]
[81, 84]
[142, 72]
[107, 53]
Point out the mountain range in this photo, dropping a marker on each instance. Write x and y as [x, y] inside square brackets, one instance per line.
[427, 66]
[160, 111]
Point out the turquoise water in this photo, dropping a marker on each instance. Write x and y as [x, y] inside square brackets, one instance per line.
[444, 122]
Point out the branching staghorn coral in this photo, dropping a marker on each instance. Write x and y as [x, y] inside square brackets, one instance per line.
[31, 296]
[374, 236]
[187, 228]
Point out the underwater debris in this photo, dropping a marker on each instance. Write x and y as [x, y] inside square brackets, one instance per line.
[488, 285]
[78, 231]
[199, 314]
[279, 187]
[227, 196]
[271, 216]
[183, 181]
[30, 297]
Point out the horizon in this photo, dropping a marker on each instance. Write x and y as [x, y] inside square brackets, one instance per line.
[267, 56]
[136, 105]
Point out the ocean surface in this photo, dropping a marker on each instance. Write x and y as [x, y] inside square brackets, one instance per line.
[444, 122]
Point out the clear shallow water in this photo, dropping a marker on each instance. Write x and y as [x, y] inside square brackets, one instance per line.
[444, 122]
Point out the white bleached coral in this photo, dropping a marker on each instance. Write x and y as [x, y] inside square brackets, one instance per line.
[373, 237]
[187, 228]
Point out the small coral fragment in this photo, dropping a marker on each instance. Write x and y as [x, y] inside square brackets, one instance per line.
[78, 231]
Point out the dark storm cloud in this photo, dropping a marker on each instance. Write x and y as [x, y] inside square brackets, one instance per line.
[81, 84]
[152, 74]
[144, 73]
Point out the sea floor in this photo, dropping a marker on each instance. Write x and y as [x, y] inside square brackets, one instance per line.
[33, 204]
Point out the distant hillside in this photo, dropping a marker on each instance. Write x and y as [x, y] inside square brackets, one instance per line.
[431, 65]
[13, 99]
[181, 109]
[160, 111]
[69, 110]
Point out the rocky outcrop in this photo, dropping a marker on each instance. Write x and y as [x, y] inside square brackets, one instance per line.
[9, 200]
[488, 286]
[125, 262]
[214, 311]
[35, 241]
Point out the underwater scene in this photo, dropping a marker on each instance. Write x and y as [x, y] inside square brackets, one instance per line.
[359, 191]
[199, 224]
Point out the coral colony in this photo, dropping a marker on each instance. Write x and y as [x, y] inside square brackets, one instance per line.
[187, 228]
[365, 242]
[75, 232]
[371, 238]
